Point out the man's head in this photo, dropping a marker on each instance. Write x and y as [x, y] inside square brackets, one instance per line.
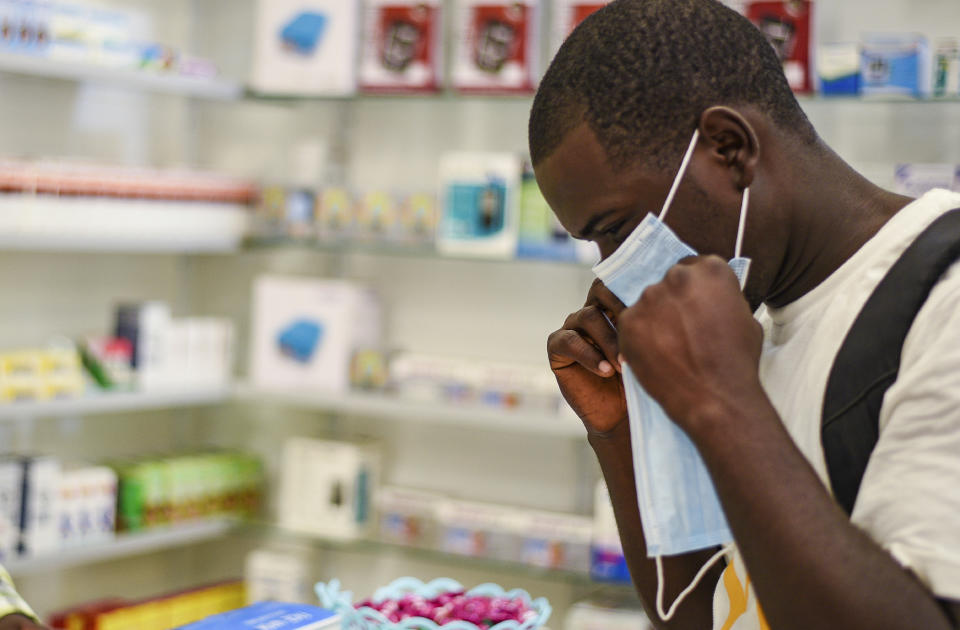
[621, 100]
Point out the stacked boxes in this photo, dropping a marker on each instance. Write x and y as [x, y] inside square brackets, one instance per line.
[40, 374]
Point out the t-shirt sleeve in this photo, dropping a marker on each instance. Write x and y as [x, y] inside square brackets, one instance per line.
[909, 500]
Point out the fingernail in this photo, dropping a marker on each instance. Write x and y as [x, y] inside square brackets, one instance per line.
[605, 367]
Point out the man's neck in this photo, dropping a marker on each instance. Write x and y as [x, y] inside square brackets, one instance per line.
[833, 217]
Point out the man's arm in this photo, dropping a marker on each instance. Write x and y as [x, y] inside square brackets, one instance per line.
[584, 357]
[693, 344]
[696, 612]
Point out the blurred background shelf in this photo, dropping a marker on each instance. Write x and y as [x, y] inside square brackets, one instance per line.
[113, 402]
[443, 413]
[580, 579]
[390, 250]
[87, 224]
[126, 545]
[197, 87]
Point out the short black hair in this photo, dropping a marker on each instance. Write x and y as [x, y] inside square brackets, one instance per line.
[640, 73]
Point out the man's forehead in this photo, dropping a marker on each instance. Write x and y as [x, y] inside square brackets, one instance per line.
[578, 180]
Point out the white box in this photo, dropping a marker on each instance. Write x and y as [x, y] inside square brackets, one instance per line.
[305, 332]
[402, 46]
[497, 45]
[277, 576]
[480, 197]
[327, 489]
[306, 47]
[11, 490]
[39, 531]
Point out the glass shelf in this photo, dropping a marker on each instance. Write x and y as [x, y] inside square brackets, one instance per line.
[396, 250]
[579, 579]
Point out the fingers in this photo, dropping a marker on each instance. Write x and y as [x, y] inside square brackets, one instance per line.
[597, 329]
[602, 297]
[567, 347]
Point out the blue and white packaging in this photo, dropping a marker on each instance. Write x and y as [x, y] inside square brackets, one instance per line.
[838, 69]
[306, 47]
[896, 65]
[271, 616]
[480, 193]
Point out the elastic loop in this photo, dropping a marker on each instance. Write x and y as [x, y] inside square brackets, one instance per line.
[743, 221]
[683, 169]
[683, 594]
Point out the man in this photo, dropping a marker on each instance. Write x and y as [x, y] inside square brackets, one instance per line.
[608, 128]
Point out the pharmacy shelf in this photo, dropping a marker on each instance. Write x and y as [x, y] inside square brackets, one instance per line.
[113, 402]
[125, 546]
[512, 568]
[85, 224]
[197, 87]
[359, 248]
[386, 407]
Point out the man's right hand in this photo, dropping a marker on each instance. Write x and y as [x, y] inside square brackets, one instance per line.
[583, 356]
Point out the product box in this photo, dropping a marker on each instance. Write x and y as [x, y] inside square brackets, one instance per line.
[787, 25]
[328, 489]
[838, 69]
[40, 516]
[913, 180]
[145, 326]
[607, 562]
[21, 375]
[88, 505]
[306, 47]
[540, 234]
[479, 530]
[408, 517]
[11, 489]
[418, 218]
[277, 576]
[567, 15]
[496, 45]
[896, 64]
[480, 194]
[377, 217]
[556, 541]
[271, 616]
[946, 80]
[335, 215]
[305, 332]
[402, 49]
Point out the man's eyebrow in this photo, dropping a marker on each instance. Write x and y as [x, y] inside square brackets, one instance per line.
[592, 224]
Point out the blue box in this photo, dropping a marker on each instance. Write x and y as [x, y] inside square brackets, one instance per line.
[896, 65]
[272, 615]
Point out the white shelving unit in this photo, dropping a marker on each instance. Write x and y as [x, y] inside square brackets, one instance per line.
[80, 224]
[198, 87]
[398, 409]
[125, 545]
[106, 403]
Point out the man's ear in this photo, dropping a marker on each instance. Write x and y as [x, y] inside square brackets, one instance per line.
[732, 142]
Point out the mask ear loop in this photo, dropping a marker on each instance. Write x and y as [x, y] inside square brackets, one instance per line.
[743, 221]
[667, 616]
[680, 173]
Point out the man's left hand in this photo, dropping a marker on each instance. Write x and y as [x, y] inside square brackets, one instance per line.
[693, 343]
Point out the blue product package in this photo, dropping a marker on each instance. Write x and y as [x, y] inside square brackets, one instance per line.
[300, 339]
[271, 616]
[476, 210]
[896, 65]
[304, 32]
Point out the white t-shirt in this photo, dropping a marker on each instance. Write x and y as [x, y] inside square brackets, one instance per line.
[909, 499]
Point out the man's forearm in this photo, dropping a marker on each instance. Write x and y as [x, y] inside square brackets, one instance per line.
[695, 613]
[810, 566]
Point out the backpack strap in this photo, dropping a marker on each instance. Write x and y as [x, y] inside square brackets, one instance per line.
[869, 359]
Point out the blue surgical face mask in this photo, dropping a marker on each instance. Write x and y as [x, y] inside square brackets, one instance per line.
[679, 507]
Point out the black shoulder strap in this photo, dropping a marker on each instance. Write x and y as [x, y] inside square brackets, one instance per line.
[869, 359]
